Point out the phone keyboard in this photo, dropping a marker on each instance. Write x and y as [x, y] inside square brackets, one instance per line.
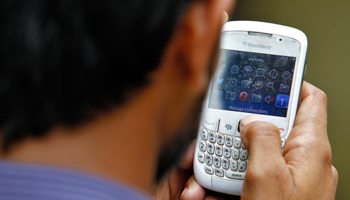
[223, 155]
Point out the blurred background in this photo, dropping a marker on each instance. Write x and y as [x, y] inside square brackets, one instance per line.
[327, 25]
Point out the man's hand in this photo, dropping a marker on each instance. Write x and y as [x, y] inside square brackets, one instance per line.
[304, 170]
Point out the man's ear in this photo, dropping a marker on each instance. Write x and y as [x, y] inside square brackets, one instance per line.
[195, 40]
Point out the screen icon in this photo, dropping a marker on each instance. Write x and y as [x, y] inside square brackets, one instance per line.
[234, 69]
[230, 95]
[286, 75]
[233, 82]
[243, 96]
[284, 88]
[273, 73]
[258, 85]
[260, 72]
[248, 70]
[220, 80]
[256, 98]
[282, 101]
[270, 85]
[269, 99]
[218, 93]
[245, 84]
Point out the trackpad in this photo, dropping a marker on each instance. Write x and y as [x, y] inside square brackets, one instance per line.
[231, 186]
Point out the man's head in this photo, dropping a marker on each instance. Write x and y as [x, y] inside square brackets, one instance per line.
[63, 62]
[66, 64]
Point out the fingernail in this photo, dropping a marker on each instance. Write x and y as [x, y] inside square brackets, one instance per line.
[183, 193]
[249, 119]
[225, 17]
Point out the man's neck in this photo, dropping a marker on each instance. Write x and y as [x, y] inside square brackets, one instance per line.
[122, 145]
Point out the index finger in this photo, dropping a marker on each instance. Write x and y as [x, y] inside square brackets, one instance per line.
[313, 106]
[309, 134]
[312, 113]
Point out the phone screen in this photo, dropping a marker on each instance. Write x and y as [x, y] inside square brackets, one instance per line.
[252, 83]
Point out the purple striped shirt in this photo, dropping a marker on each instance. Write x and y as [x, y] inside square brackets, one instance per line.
[36, 182]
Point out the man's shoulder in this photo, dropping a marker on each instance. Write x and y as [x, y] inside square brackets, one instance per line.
[26, 181]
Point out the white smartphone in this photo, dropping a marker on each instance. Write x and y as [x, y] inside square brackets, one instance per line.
[260, 72]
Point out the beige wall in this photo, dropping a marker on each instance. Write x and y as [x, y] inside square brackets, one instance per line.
[327, 25]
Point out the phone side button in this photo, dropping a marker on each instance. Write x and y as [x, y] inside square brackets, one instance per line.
[209, 170]
[235, 175]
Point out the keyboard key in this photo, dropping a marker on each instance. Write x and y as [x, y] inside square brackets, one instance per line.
[242, 166]
[209, 170]
[204, 134]
[227, 152]
[202, 146]
[225, 163]
[228, 141]
[233, 165]
[210, 148]
[235, 154]
[210, 122]
[217, 162]
[201, 157]
[212, 137]
[219, 172]
[235, 175]
[244, 155]
[208, 159]
[221, 139]
[237, 143]
[218, 150]
[227, 127]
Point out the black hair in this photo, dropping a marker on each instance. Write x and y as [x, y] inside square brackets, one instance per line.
[65, 61]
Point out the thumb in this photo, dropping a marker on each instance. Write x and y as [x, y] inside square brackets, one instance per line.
[262, 140]
[267, 170]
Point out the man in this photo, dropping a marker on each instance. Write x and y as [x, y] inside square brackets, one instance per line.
[93, 93]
